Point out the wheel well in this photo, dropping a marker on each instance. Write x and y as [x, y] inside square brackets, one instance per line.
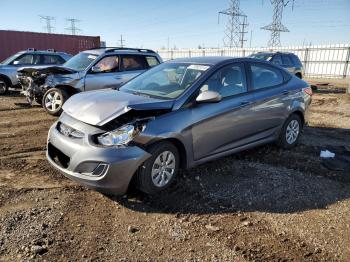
[301, 115]
[6, 79]
[70, 90]
[179, 145]
[299, 75]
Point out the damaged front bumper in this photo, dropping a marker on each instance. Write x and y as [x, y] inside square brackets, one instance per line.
[105, 169]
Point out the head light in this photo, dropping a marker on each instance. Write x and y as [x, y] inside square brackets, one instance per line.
[119, 137]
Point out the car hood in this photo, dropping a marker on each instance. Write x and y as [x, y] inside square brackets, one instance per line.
[46, 70]
[100, 107]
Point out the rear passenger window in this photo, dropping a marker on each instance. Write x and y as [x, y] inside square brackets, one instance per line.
[286, 60]
[265, 76]
[134, 62]
[152, 61]
[277, 60]
[52, 60]
[228, 81]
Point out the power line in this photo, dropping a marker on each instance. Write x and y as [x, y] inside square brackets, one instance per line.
[276, 27]
[234, 34]
[48, 19]
[73, 27]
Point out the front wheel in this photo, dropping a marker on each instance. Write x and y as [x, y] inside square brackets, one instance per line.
[290, 132]
[3, 87]
[160, 170]
[53, 101]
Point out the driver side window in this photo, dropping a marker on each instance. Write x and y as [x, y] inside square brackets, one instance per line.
[108, 64]
[228, 81]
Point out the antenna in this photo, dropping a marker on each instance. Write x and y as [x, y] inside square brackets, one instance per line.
[234, 34]
[73, 27]
[48, 27]
[276, 27]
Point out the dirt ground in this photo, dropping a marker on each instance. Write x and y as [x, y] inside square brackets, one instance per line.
[264, 204]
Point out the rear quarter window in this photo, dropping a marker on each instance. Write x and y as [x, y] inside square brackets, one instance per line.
[296, 60]
[264, 76]
[152, 61]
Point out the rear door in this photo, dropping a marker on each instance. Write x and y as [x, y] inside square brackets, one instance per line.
[132, 66]
[221, 126]
[271, 98]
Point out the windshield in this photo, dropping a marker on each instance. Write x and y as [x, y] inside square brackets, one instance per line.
[265, 57]
[80, 61]
[165, 81]
[10, 59]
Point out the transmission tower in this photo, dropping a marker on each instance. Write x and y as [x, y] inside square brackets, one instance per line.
[234, 35]
[73, 26]
[276, 27]
[48, 19]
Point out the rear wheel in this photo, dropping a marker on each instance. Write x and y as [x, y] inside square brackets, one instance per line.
[290, 132]
[3, 87]
[160, 170]
[53, 101]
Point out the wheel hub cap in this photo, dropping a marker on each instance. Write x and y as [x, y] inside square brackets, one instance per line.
[53, 101]
[163, 169]
[292, 131]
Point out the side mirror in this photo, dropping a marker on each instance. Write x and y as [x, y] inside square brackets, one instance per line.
[96, 69]
[15, 62]
[208, 97]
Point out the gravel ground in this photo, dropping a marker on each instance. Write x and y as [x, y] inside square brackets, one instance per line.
[264, 204]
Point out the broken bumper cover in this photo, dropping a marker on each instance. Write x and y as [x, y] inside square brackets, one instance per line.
[107, 170]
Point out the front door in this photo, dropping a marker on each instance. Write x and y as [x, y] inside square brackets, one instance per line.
[107, 75]
[226, 124]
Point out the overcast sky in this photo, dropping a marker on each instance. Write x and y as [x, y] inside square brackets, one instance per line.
[187, 23]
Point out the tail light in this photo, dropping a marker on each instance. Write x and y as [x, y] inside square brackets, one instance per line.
[307, 90]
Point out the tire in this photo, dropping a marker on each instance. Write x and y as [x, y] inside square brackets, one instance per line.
[53, 101]
[290, 132]
[166, 175]
[3, 87]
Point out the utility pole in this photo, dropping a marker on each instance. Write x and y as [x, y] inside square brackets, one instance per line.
[243, 32]
[234, 35]
[121, 41]
[276, 27]
[48, 27]
[73, 26]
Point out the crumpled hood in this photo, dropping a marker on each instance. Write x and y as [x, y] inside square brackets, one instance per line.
[99, 107]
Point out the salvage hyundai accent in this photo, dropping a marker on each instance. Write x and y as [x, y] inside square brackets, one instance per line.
[176, 115]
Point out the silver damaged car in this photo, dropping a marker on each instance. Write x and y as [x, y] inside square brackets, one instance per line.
[178, 114]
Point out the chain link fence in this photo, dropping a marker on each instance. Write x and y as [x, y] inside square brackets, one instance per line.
[323, 61]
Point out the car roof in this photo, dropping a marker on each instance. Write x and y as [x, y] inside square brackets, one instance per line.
[42, 52]
[213, 60]
[119, 50]
[273, 53]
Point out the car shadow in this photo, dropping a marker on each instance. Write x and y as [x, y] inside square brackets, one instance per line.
[265, 179]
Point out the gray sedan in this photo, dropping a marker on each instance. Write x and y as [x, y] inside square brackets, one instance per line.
[179, 114]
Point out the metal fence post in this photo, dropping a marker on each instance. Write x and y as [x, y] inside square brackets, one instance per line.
[171, 54]
[346, 66]
[306, 57]
[189, 53]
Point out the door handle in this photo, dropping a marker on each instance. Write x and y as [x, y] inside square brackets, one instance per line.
[285, 92]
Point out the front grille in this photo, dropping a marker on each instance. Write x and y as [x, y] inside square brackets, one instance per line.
[57, 156]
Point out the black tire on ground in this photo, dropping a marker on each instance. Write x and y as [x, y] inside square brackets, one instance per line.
[3, 86]
[144, 181]
[290, 132]
[53, 101]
